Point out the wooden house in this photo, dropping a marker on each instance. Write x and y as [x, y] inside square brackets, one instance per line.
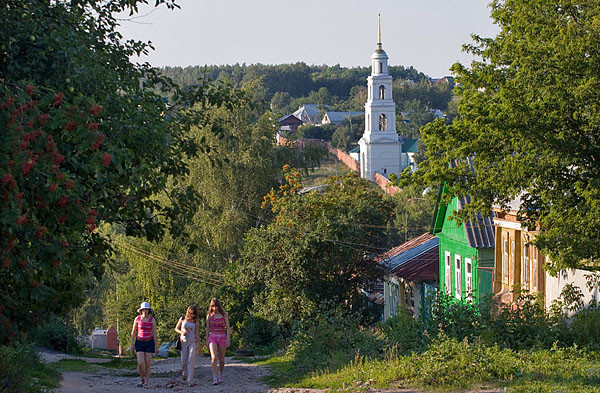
[519, 264]
[466, 252]
[411, 275]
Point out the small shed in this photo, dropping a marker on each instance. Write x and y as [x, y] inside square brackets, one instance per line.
[104, 339]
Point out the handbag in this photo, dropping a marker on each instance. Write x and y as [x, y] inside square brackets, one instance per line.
[178, 341]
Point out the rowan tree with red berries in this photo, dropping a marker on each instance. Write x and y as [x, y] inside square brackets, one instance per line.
[85, 138]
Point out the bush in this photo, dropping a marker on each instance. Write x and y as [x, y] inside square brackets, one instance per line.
[15, 377]
[453, 318]
[331, 338]
[258, 332]
[56, 334]
[585, 327]
[406, 333]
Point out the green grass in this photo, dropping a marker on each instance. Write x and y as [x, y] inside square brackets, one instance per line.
[452, 366]
[80, 365]
[44, 376]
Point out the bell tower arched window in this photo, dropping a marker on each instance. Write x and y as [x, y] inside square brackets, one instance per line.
[382, 122]
[380, 67]
[382, 92]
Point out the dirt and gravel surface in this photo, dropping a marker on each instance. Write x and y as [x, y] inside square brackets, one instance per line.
[240, 377]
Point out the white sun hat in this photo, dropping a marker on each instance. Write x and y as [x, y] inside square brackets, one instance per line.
[144, 305]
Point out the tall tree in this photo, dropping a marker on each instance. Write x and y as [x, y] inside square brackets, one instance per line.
[529, 116]
[84, 139]
[317, 247]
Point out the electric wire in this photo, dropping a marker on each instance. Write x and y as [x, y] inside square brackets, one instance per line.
[184, 270]
[199, 270]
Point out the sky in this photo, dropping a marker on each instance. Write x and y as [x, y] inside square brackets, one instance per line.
[425, 34]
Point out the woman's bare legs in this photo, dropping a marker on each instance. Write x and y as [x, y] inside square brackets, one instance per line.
[141, 360]
[222, 349]
[214, 356]
[148, 358]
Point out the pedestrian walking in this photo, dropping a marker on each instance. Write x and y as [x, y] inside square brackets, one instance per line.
[187, 328]
[144, 341]
[218, 337]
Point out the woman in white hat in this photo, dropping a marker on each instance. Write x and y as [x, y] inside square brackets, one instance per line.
[144, 341]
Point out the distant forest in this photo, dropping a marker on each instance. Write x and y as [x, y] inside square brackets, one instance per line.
[286, 87]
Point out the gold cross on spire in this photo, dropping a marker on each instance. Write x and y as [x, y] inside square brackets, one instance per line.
[379, 46]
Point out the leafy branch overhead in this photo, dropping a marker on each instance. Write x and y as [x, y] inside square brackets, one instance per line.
[529, 118]
[86, 139]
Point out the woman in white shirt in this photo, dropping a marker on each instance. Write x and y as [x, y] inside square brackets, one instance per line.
[188, 330]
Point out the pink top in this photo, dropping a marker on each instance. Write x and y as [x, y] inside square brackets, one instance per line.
[144, 329]
[216, 325]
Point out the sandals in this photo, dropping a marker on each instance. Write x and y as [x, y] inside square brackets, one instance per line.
[140, 384]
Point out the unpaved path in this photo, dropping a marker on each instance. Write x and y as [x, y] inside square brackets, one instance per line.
[240, 377]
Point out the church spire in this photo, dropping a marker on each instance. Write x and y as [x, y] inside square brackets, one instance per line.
[379, 46]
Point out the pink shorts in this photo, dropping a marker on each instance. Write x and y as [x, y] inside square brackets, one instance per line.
[219, 339]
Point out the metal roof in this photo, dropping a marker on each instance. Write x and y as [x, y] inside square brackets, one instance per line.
[339, 117]
[480, 232]
[417, 259]
[410, 145]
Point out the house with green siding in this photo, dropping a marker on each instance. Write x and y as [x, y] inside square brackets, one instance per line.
[466, 251]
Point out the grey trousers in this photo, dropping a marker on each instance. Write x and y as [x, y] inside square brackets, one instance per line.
[188, 359]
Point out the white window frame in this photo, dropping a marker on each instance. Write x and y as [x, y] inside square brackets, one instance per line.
[448, 273]
[526, 268]
[534, 267]
[512, 269]
[505, 264]
[457, 276]
[469, 278]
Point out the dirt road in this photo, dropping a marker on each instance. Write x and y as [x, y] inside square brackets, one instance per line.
[239, 377]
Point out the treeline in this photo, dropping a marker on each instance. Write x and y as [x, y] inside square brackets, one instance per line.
[287, 86]
[297, 79]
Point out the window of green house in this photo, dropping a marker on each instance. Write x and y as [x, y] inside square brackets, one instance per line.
[457, 277]
[469, 279]
[448, 280]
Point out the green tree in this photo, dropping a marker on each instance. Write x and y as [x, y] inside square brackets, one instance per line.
[317, 247]
[529, 118]
[85, 139]
[347, 135]
[280, 101]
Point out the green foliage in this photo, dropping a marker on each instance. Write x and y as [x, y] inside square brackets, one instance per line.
[330, 338]
[346, 136]
[528, 115]
[414, 210]
[57, 334]
[323, 132]
[257, 331]
[305, 159]
[457, 346]
[405, 334]
[584, 327]
[298, 79]
[85, 139]
[22, 371]
[317, 247]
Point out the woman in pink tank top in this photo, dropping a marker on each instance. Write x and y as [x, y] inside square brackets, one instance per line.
[144, 341]
[217, 338]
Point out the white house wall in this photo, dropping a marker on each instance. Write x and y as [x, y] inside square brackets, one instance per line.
[555, 285]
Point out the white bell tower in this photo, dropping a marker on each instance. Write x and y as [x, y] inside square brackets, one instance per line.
[380, 147]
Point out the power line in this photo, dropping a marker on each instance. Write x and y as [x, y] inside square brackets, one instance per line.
[199, 270]
[183, 270]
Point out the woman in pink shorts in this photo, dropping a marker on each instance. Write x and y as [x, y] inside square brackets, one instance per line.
[217, 338]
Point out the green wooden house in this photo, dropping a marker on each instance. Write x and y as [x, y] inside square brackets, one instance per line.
[466, 252]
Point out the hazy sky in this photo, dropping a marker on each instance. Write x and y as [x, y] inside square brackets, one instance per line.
[426, 34]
